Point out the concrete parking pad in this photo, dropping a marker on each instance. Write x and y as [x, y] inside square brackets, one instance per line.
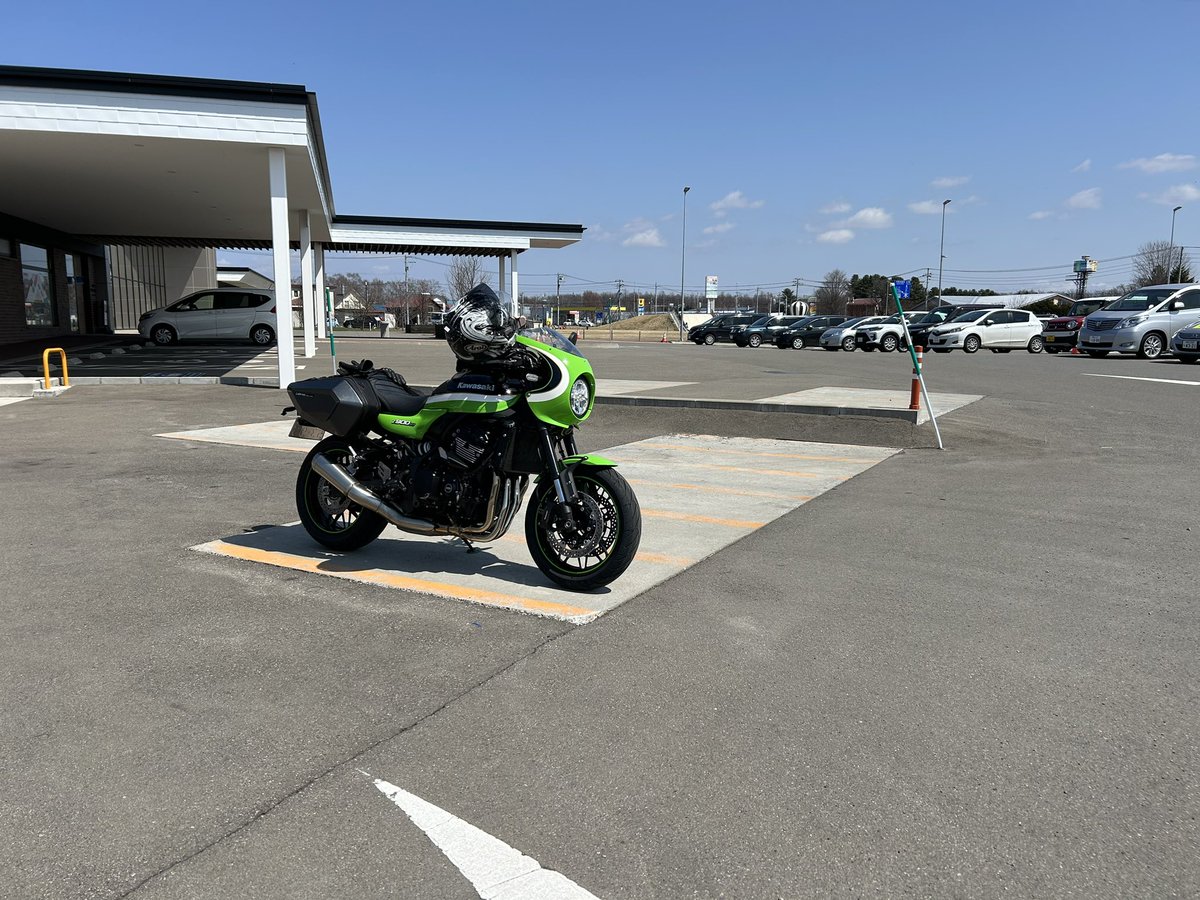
[698, 494]
[4, 401]
[270, 435]
[858, 399]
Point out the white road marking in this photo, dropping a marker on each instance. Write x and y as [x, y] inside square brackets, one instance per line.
[496, 870]
[1138, 378]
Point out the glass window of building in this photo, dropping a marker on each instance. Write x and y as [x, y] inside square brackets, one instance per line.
[39, 289]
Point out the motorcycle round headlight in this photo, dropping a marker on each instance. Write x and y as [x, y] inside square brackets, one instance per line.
[580, 397]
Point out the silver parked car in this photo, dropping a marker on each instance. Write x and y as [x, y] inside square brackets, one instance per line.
[1141, 322]
[841, 337]
[1186, 343]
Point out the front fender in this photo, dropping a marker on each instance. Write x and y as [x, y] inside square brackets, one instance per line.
[570, 463]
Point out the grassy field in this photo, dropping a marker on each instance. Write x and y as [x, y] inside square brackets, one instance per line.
[638, 328]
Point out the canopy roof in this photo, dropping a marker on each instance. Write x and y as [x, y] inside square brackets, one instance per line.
[146, 159]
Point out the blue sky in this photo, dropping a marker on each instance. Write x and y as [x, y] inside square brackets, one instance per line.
[813, 135]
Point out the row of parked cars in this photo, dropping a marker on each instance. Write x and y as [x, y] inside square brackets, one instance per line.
[1148, 321]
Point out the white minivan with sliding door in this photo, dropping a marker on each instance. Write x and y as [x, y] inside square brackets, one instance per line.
[1141, 322]
[225, 314]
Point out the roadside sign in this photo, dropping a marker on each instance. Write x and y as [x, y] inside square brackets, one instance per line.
[641, 305]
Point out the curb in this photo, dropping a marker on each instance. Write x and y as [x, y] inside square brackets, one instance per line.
[904, 415]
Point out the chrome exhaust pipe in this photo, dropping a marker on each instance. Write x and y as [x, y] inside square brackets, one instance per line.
[354, 491]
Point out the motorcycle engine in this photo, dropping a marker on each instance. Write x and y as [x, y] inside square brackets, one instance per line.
[447, 483]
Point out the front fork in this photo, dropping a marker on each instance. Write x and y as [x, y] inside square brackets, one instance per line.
[564, 484]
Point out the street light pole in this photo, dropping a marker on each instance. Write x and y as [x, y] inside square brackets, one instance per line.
[683, 260]
[1171, 250]
[942, 250]
[558, 301]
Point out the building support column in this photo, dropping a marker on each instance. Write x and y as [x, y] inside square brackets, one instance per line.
[501, 283]
[516, 294]
[322, 300]
[307, 302]
[281, 243]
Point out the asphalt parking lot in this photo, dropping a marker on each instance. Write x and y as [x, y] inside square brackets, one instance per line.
[967, 673]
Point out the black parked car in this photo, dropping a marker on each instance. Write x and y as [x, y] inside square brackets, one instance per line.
[763, 329]
[361, 322]
[806, 332]
[720, 328]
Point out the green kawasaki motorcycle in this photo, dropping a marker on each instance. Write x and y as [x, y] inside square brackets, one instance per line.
[458, 461]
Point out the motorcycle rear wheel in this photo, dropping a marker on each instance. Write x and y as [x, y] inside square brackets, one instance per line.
[328, 515]
[598, 553]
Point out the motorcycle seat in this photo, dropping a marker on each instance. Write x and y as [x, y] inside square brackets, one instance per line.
[399, 400]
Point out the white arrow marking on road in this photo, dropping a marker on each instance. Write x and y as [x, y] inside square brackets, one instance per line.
[495, 870]
[1136, 378]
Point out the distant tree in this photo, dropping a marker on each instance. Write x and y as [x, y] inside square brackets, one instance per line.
[465, 272]
[964, 292]
[833, 294]
[1158, 262]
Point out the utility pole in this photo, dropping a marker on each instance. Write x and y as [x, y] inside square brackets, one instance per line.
[654, 302]
[796, 291]
[928, 292]
[620, 291]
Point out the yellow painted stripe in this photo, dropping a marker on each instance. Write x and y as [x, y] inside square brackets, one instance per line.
[706, 450]
[711, 489]
[390, 579]
[785, 473]
[707, 520]
[663, 559]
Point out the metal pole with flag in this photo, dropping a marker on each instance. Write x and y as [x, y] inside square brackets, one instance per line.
[900, 290]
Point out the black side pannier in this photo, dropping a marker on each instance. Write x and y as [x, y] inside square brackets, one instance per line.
[337, 404]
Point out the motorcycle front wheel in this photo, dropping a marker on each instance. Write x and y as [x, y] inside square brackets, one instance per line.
[327, 514]
[599, 544]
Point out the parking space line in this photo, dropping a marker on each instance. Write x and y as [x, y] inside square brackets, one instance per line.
[707, 520]
[1139, 378]
[390, 579]
[714, 489]
[724, 450]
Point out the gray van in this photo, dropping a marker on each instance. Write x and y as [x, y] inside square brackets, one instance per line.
[1141, 322]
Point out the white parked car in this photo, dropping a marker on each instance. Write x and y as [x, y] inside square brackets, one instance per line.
[998, 330]
[213, 314]
[841, 337]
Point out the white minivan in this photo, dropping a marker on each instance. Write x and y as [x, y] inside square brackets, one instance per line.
[998, 330]
[213, 314]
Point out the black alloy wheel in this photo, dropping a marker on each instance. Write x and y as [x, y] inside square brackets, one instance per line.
[328, 515]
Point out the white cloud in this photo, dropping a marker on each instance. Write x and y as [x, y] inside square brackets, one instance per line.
[869, 217]
[1040, 214]
[1088, 199]
[647, 238]
[719, 228]
[1164, 162]
[734, 200]
[927, 207]
[835, 209]
[1172, 196]
[950, 181]
[836, 236]
[1083, 166]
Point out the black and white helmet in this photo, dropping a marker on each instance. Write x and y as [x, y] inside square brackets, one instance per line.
[480, 326]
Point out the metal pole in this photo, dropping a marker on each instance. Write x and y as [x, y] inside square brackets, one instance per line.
[1171, 250]
[942, 249]
[683, 260]
[558, 301]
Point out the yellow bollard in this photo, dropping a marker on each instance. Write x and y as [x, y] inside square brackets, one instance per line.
[66, 382]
